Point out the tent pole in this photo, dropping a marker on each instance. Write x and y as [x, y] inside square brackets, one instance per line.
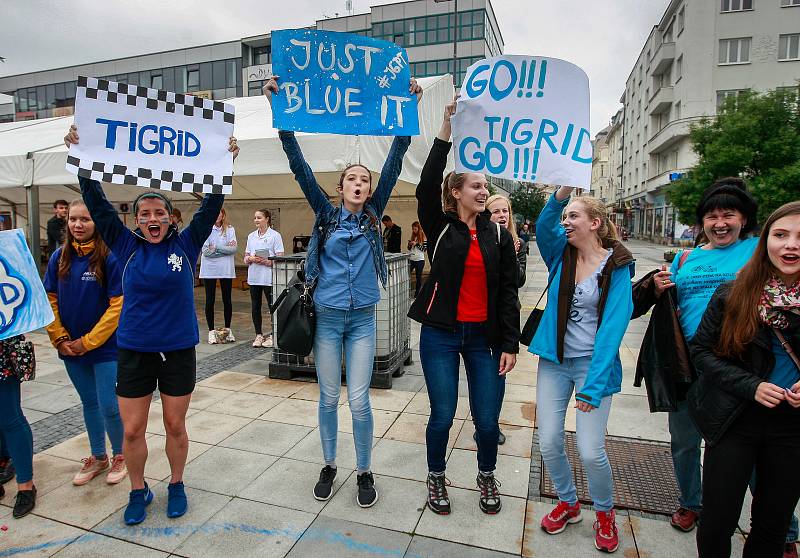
[34, 234]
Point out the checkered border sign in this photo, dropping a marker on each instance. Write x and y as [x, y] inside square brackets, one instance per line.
[145, 97]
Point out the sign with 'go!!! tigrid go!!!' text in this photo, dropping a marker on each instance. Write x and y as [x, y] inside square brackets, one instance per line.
[152, 138]
[525, 118]
[340, 83]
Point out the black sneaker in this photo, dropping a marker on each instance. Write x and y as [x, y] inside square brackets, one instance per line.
[490, 495]
[324, 487]
[26, 501]
[6, 471]
[367, 495]
[438, 501]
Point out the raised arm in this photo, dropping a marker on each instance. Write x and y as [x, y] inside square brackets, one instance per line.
[203, 219]
[550, 235]
[317, 198]
[390, 173]
[113, 232]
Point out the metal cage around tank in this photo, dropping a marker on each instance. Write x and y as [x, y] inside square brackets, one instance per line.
[392, 331]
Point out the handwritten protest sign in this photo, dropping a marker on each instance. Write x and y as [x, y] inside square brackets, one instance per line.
[525, 118]
[341, 83]
[23, 302]
[151, 138]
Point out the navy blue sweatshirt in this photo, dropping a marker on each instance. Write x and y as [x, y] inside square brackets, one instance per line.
[158, 313]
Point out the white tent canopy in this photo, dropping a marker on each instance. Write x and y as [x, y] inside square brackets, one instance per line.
[33, 153]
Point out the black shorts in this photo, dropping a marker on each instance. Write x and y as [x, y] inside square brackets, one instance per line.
[172, 372]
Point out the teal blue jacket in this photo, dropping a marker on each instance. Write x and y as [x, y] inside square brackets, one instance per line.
[614, 310]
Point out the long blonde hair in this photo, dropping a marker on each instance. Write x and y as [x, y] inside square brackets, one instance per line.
[595, 209]
[512, 226]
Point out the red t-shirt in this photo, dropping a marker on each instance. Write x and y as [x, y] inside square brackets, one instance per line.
[473, 297]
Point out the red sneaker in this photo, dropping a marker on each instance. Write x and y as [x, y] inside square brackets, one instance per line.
[790, 550]
[606, 538]
[557, 520]
[684, 520]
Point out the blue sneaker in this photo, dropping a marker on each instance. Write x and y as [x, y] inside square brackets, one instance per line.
[139, 499]
[177, 504]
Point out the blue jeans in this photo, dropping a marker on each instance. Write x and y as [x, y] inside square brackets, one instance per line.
[794, 529]
[96, 386]
[355, 331]
[685, 444]
[554, 387]
[439, 352]
[16, 431]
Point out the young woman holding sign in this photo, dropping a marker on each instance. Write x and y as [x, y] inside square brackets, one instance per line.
[588, 308]
[158, 327]
[217, 263]
[84, 285]
[345, 259]
[468, 307]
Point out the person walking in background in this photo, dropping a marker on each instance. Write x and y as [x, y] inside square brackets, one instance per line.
[417, 245]
[216, 264]
[15, 429]
[345, 260]
[746, 400]
[726, 215]
[56, 225]
[468, 309]
[588, 307]
[158, 329]
[262, 243]
[392, 235]
[525, 236]
[84, 285]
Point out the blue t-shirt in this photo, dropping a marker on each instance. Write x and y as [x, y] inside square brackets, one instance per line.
[347, 277]
[785, 374]
[82, 301]
[701, 274]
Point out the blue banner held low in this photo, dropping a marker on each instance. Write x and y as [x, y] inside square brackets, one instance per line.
[341, 83]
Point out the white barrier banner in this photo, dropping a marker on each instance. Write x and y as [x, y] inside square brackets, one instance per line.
[525, 118]
[152, 138]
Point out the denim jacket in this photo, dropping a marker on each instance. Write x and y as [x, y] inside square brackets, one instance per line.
[327, 214]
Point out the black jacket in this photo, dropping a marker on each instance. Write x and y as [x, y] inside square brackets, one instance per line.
[392, 239]
[664, 362]
[727, 386]
[437, 303]
[55, 232]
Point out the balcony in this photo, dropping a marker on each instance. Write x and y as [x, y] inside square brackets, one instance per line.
[670, 134]
[661, 100]
[662, 58]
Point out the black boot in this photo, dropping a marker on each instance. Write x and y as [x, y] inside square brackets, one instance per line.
[6, 470]
[26, 501]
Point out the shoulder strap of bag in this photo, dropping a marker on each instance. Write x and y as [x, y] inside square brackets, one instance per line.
[547, 288]
[436, 246]
[787, 347]
[683, 258]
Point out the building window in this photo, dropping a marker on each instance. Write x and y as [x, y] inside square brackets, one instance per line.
[789, 47]
[262, 55]
[724, 94]
[678, 110]
[736, 5]
[679, 68]
[682, 19]
[734, 51]
[788, 3]
[193, 80]
[254, 87]
[668, 36]
[156, 81]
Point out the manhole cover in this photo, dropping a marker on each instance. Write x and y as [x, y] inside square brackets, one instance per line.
[643, 475]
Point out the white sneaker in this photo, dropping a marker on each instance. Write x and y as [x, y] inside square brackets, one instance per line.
[212, 337]
[230, 338]
[267, 342]
[259, 341]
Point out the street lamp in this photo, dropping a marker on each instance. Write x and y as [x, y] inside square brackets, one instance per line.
[455, 35]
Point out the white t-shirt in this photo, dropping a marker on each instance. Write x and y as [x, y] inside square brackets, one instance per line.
[272, 243]
[219, 265]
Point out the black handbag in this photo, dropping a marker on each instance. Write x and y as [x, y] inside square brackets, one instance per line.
[17, 358]
[295, 316]
[532, 323]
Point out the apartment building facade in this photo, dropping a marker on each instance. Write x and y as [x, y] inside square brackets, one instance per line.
[700, 53]
[438, 41]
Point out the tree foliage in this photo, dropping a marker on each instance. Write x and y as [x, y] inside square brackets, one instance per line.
[527, 201]
[754, 136]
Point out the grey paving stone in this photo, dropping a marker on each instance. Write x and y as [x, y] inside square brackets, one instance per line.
[36, 536]
[226, 470]
[30, 390]
[400, 459]
[55, 401]
[290, 483]
[425, 547]
[34, 416]
[408, 382]
[344, 539]
[262, 436]
[631, 417]
[244, 528]
[57, 377]
[399, 506]
[93, 544]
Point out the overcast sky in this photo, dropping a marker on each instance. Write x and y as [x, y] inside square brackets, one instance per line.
[603, 37]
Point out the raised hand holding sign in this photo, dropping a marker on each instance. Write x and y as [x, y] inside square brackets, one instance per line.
[525, 118]
[342, 83]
